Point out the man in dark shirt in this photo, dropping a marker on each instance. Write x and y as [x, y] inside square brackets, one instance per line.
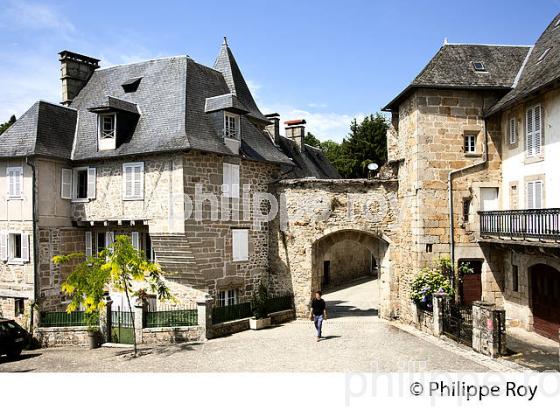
[318, 312]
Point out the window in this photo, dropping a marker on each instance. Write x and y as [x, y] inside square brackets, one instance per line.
[512, 130]
[470, 144]
[19, 307]
[148, 249]
[107, 126]
[515, 278]
[82, 180]
[466, 209]
[230, 185]
[240, 244]
[15, 181]
[534, 194]
[231, 125]
[479, 66]
[133, 181]
[14, 247]
[89, 244]
[103, 240]
[135, 238]
[228, 297]
[533, 135]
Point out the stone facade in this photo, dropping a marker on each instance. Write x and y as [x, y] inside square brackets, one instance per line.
[346, 262]
[322, 213]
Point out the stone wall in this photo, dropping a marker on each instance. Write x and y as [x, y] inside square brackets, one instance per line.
[348, 260]
[62, 336]
[320, 213]
[427, 140]
[162, 335]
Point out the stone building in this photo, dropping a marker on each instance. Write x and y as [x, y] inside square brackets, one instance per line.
[170, 152]
[474, 137]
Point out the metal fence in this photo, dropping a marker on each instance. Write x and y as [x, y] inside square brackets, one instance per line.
[62, 319]
[278, 303]
[171, 316]
[122, 322]
[222, 314]
[523, 223]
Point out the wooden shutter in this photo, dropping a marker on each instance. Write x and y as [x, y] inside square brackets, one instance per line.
[66, 184]
[91, 182]
[109, 238]
[529, 133]
[226, 184]
[537, 130]
[512, 130]
[25, 247]
[135, 240]
[127, 182]
[234, 181]
[538, 185]
[530, 195]
[4, 246]
[139, 181]
[89, 243]
[240, 244]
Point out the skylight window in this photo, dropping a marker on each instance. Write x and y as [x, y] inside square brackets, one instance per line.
[543, 55]
[131, 85]
[479, 66]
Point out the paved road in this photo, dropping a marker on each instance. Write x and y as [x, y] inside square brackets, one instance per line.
[356, 340]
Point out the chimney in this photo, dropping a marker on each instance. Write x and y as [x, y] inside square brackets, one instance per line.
[295, 129]
[76, 70]
[273, 129]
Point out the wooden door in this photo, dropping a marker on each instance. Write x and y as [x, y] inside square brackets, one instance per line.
[545, 296]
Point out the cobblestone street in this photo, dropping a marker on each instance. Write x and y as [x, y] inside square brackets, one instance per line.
[356, 340]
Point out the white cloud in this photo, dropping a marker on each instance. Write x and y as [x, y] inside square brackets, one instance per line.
[255, 88]
[23, 14]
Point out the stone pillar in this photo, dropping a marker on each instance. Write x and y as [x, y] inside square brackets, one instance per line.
[204, 308]
[140, 308]
[489, 336]
[105, 319]
[438, 301]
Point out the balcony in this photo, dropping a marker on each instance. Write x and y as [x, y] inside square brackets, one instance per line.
[532, 225]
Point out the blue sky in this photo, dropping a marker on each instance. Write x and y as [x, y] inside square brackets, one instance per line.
[327, 61]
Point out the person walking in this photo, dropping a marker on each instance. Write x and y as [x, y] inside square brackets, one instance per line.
[318, 312]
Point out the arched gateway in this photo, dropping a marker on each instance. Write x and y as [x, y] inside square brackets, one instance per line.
[334, 231]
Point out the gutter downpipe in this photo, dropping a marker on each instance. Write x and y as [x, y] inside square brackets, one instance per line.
[35, 245]
[450, 197]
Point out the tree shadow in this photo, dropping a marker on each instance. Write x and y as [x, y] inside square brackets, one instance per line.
[23, 356]
[344, 308]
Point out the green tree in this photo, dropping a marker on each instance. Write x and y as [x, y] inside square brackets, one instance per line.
[366, 143]
[312, 140]
[6, 125]
[118, 267]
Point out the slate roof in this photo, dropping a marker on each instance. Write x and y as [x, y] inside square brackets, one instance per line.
[311, 162]
[452, 67]
[45, 129]
[226, 64]
[536, 75]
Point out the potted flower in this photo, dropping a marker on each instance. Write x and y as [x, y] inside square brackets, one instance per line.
[260, 317]
[92, 321]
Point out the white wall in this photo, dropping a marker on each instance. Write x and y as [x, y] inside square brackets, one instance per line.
[515, 166]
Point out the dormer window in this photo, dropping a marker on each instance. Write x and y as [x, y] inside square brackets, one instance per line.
[231, 125]
[107, 125]
[107, 131]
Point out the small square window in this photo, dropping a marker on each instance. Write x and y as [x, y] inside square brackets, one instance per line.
[470, 144]
[466, 209]
[479, 66]
[19, 307]
[515, 278]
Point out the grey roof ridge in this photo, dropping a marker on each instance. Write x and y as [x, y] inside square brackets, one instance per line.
[56, 104]
[518, 76]
[487, 45]
[143, 61]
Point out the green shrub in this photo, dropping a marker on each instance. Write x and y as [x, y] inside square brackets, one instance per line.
[428, 282]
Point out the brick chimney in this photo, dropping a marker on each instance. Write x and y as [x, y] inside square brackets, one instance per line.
[295, 129]
[75, 70]
[273, 129]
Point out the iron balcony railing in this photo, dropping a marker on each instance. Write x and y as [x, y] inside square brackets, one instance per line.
[542, 224]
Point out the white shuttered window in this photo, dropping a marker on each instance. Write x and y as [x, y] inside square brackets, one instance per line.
[135, 240]
[533, 131]
[231, 180]
[66, 184]
[534, 194]
[133, 180]
[240, 244]
[15, 181]
[89, 243]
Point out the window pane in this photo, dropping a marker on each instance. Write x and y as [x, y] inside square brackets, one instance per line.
[81, 184]
[17, 245]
